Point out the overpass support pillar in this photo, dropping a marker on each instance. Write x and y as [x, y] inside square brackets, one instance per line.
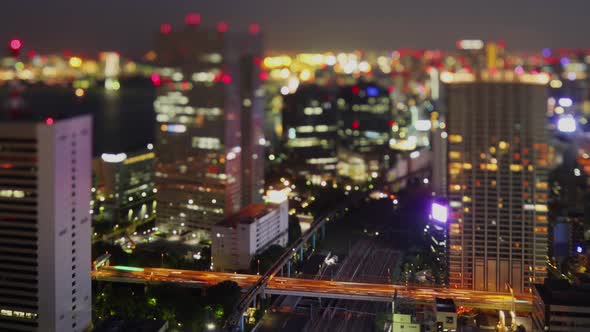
[262, 298]
[313, 236]
[301, 253]
[323, 232]
[242, 323]
[289, 268]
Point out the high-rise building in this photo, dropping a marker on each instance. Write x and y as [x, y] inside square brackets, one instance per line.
[479, 54]
[45, 174]
[209, 113]
[366, 117]
[310, 125]
[497, 180]
[364, 131]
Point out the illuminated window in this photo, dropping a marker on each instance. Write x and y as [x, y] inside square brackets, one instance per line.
[312, 110]
[206, 143]
[305, 129]
[515, 167]
[467, 166]
[541, 208]
[489, 167]
[12, 193]
[466, 199]
[454, 155]
[541, 218]
[455, 187]
[542, 185]
[455, 138]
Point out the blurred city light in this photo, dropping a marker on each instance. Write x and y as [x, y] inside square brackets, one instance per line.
[565, 102]
[15, 44]
[566, 124]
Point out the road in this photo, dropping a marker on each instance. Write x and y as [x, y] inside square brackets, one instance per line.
[314, 288]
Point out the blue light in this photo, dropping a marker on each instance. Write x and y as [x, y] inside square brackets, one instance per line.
[546, 52]
[372, 91]
[564, 61]
[579, 249]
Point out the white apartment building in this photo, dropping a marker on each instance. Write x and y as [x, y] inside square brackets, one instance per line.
[236, 239]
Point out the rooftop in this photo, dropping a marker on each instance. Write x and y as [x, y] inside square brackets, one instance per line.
[445, 305]
[560, 292]
[248, 215]
[497, 76]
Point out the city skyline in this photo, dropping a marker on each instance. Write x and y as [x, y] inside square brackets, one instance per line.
[329, 25]
[299, 166]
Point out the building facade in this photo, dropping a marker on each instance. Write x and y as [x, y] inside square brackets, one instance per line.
[239, 237]
[497, 180]
[560, 307]
[364, 131]
[310, 124]
[45, 176]
[209, 116]
[124, 189]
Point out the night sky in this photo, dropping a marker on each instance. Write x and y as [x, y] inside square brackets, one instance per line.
[88, 26]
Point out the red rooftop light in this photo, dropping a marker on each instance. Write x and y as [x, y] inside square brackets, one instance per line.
[192, 19]
[165, 28]
[226, 79]
[222, 27]
[49, 121]
[156, 79]
[355, 124]
[15, 44]
[254, 29]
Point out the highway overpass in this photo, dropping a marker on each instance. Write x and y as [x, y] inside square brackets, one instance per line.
[314, 288]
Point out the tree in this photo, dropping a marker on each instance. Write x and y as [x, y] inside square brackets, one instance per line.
[294, 229]
[225, 294]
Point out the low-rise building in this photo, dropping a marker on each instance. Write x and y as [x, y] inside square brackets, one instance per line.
[559, 306]
[403, 323]
[123, 191]
[446, 315]
[236, 239]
